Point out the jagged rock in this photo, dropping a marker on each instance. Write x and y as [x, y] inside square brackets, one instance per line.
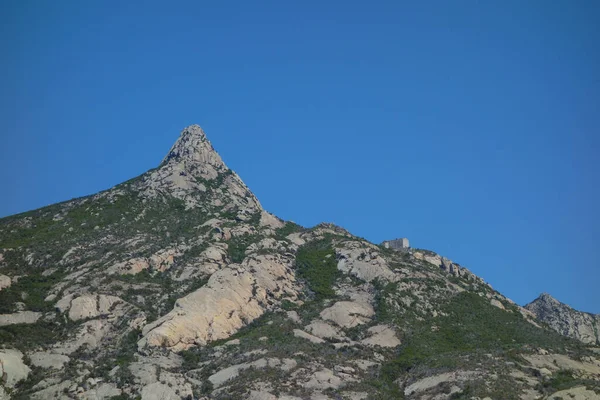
[21, 317]
[565, 320]
[12, 367]
[187, 170]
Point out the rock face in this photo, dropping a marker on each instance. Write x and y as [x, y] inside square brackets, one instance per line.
[12, 367]
[87, 306]
[232, 298]
[190, 168]
[565, 320]
[22, 317]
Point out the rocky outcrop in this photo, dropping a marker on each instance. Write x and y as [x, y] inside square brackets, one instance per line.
[580, 393]
[348, 314]
[447, 265]
[12, 367]
[4, 281]
[381, 335]
[232, 298]
[22, 317]
[363, 261]
[87, 306]
[194, 172]
[220, 377]
[566, 320]
[48, 360]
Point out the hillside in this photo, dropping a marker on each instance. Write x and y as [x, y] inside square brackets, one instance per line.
[177, 284]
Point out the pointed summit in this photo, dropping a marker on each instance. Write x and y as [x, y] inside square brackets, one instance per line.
[546, 297]
[193, 171]
[194, 152]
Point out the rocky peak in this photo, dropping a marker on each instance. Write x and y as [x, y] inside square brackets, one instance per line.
[547, 298]
[566, 320]
[193, 151]
[193, 171]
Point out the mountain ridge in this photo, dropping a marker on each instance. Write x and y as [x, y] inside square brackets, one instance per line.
[178, 284]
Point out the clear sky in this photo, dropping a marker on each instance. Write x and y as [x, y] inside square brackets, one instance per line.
[470, 127]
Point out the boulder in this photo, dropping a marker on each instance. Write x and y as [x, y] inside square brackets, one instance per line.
[348, 314]
[381, 335]
[5, 281]
[12, 367]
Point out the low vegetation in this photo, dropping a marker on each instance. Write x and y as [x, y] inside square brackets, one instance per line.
[316, 263]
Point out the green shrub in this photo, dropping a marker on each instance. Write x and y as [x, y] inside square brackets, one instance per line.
[31, 290]
[316, 263]
[236, 247]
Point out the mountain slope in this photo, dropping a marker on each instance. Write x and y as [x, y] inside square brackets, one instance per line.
[177, 284]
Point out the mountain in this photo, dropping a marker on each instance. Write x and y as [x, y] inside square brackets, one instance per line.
[177, 284]
[565, 320]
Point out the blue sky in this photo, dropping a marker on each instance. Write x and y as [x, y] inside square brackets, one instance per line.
[470, 127]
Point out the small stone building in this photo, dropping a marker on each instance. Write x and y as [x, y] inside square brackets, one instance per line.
[396, 244]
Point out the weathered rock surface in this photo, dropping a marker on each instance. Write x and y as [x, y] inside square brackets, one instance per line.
[565, 320]
[348, 314]
[381, 335]
[21, 317]
[187, 170]
[578, 393]
[232, 298]
[5, 281]
[159, 391]
[435, 380]
[48, 360]
[220, 377]
[87, 306]
[12, 367]
[364, 262]
[304, 335]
